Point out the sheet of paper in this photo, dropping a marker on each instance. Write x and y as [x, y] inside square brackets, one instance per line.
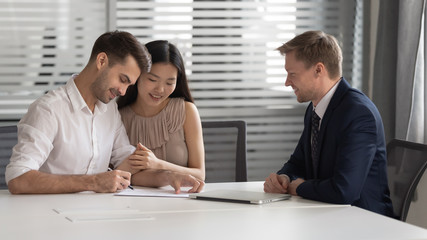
[92, 210]
[152, 192]
[102, 214]
[109, 217]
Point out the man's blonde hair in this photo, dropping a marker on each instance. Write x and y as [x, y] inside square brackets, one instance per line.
[312, 47]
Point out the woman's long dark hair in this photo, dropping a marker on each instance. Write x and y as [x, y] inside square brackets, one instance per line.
[162, 52]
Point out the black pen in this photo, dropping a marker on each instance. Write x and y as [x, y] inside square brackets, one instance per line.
[129, 186]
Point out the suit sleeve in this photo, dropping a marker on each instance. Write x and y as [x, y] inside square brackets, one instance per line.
[355, 150]
[295, 166]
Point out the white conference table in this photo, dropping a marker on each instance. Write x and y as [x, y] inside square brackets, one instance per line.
[106, 216]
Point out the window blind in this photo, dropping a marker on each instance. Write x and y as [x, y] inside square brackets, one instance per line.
[233, 67]
[43, 42]
[228, 46]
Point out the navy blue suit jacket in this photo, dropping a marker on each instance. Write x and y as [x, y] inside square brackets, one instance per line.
[352, 154]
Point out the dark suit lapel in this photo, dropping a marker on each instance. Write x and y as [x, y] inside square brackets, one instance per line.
[342, 89]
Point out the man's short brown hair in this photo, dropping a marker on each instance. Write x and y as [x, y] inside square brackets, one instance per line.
[118, 45]
[312, 47]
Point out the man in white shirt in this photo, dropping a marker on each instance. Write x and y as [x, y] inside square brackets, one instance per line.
[70, 136]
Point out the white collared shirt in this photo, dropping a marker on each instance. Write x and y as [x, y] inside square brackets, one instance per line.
[60, 135]
[321, 107]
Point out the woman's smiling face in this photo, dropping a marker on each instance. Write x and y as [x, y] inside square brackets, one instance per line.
[156, 86]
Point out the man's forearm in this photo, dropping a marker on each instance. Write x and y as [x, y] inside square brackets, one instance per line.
[39, 182]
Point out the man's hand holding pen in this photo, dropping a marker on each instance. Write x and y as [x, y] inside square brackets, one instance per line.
[125, 177]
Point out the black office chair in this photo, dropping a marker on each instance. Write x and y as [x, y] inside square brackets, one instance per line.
[8, 139]
[407, 162]
[225, 151]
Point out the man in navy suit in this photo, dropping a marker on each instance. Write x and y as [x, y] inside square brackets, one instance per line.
[341, 158]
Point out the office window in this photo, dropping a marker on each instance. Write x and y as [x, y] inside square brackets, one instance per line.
[233, 67]
[43, 42]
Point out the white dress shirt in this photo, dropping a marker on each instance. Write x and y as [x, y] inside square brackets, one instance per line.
[60, 135]
[321, 107]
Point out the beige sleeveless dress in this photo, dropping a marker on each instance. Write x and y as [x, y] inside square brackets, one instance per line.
[163, 134]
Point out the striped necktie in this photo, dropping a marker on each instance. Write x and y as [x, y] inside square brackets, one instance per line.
[315, 119]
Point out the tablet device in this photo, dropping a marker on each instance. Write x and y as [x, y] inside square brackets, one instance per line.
[240, 196]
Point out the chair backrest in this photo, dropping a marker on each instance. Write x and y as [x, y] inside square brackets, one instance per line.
[225, 151]
[8, 139]
[406, 163]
